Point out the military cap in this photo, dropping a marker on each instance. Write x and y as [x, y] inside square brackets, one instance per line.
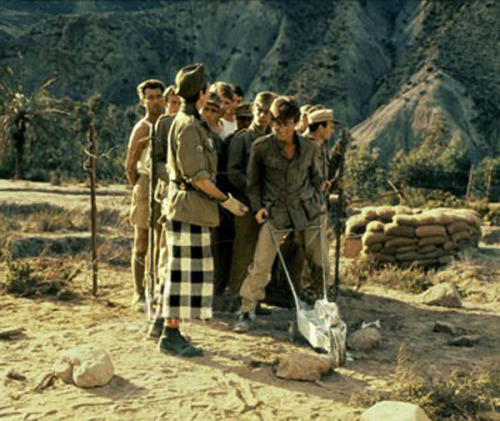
[320, 116]
[315, 108]
[190, 80]
[265, 99]
[244, 110]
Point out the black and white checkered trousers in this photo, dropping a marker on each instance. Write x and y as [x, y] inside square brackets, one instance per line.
[189, 273]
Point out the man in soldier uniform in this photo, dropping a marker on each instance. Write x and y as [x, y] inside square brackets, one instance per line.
[284, 183]
[138, 171]
[244, 116]
[227, 107]
[238, 155]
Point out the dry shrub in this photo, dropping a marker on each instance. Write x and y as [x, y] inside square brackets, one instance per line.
[8, 224]
[463, 395]
[50, 222]
[40, 277]
[365, 271]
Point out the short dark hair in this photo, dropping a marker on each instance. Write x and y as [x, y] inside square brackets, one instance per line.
[284, 108]
[169, 91]
[238, 91]
[313, 127]
[149, 84]
[222, 89]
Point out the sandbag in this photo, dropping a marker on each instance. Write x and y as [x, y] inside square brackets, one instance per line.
[383, 258]
[426, 218]
[406, 220]
[428, 249]
[397, 230]
[389, 250]
[412, 255]
[460, 236]
[457, 227]
[355, 225]
[370, 238]
[437, 240]
[450, 245]
[427, 262]
[435, 254]
[403, 210]
[373, 248]
[385, 213]
[445, 260]
[303, 367]
[375, 226]
[430, 231]
[369, 213]
[443, 218]
[399, 242]
[407, 249]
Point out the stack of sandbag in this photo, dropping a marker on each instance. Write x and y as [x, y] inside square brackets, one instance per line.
[405, 236]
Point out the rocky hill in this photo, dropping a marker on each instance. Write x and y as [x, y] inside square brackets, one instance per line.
[396, 71]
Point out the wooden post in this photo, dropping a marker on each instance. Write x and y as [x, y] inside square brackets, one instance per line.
[469, 184]
[489, 182]
[397, 191]
[93, 208]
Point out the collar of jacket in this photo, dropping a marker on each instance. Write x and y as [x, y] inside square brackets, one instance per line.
[253, 127]
[281, 146]
[190, 109]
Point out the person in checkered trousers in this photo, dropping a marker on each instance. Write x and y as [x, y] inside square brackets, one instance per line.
[191, 209]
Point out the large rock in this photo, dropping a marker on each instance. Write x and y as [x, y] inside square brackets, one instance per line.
[364, 339]
[85, 367]
[303, 367]
[394, 411]
[444, 294]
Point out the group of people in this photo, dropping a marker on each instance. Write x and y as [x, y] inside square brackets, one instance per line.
[233, 181]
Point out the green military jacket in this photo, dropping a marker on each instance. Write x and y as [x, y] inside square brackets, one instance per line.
[288, 188]
[191, 156]
[238, 154]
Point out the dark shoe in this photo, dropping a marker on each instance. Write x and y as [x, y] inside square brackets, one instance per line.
[156, 328]
[307, 297]
[262, 311]
[243, 324]
[173, 343]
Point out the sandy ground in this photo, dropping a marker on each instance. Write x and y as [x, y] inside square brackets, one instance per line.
[223, 384]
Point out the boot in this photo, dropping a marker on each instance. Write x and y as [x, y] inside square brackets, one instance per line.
[244, 323]
[173, 343]
[156, 328]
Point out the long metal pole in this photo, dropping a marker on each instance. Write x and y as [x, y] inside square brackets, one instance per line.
[93, 207]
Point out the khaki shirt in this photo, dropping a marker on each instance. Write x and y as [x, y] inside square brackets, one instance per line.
[288, 188]
[191, 157]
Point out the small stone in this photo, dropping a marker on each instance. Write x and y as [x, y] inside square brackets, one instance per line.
[444, 294]
[444, 327]
[303, 367]
[14, 375]
[364, 339]
[85, 367]
[465, 340]
[394, 411]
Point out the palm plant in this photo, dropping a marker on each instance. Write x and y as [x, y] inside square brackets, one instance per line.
[22, 112]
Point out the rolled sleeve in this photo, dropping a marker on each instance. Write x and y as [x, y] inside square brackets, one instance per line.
[191, 155]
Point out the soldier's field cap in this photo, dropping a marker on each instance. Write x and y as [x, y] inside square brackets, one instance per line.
[320, 116]
[244, 110]
[190, 80]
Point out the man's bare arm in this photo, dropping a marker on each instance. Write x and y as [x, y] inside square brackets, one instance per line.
[138, 141]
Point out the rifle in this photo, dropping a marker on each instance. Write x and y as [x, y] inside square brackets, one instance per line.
[344, 140]
[150, 284]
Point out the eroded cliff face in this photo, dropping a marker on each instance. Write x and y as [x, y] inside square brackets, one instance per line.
[386, 67]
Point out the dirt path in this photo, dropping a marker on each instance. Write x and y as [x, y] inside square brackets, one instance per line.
[223, 384]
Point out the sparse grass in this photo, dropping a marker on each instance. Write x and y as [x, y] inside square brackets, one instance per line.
[40, 277]
[463, 395]
[8, 224]
[365, 271]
